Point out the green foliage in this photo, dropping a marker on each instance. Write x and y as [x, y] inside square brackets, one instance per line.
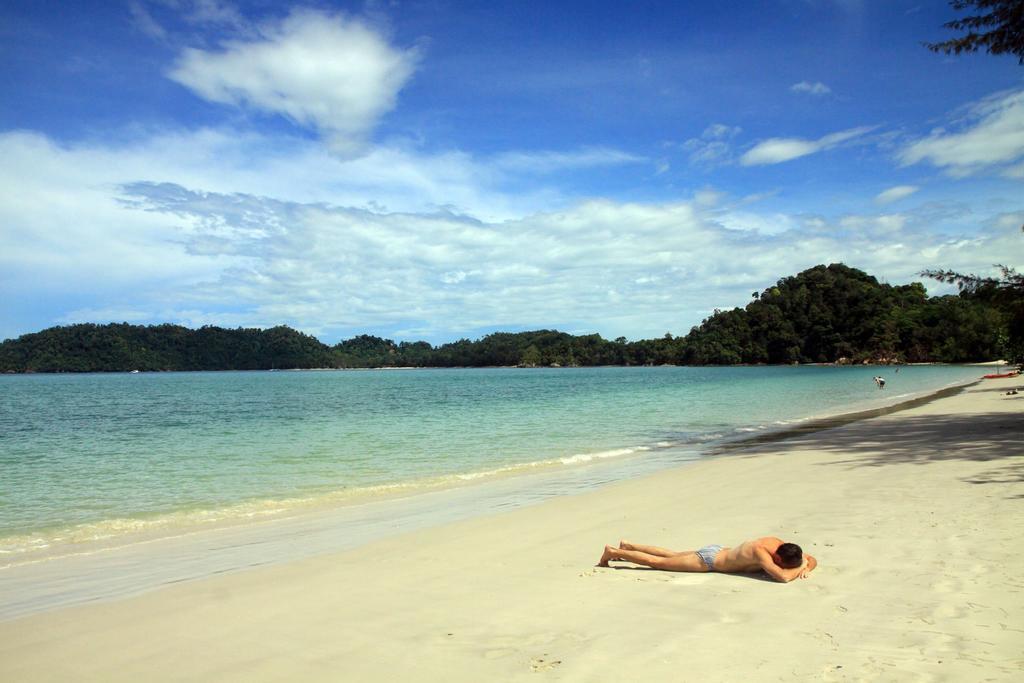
[824, 314]
[999, 28]
[365, 351]
[539, 348]
[123, 347]
[1005, 293]
[841, 314]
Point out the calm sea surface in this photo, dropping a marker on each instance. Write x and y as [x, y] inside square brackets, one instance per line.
[84, 457]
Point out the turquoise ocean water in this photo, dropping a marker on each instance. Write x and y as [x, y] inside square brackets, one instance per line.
[86, 457]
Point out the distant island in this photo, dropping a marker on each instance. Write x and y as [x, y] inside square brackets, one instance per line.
[826, 314]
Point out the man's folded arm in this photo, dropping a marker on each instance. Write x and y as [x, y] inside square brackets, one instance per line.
[774, 570]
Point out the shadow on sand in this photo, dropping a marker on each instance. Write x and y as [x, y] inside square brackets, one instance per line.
[920, 440]
[923, 439]
[756, 576]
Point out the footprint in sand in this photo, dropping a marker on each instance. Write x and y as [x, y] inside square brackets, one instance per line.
[833, 672]
[543, 664]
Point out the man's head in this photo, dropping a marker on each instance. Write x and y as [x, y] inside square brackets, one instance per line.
[789, 556]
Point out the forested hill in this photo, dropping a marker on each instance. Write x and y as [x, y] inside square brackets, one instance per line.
[824, 314]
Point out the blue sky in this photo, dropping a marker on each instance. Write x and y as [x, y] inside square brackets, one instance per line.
[434, 170]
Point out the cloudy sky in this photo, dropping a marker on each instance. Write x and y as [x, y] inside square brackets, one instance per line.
[440, 169]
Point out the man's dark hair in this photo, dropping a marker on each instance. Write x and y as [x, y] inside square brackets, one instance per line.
[791, 555]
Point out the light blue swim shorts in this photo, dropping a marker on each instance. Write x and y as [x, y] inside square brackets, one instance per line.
[707, 555]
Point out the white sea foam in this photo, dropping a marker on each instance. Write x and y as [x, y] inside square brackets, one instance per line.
[601, 455]
[710, 436]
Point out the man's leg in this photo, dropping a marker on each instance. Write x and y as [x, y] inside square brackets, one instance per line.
[687, 561]
[649, 549]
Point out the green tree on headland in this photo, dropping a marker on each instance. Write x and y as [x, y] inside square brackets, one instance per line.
[1005, 293]
[835, 313]
[825, 314]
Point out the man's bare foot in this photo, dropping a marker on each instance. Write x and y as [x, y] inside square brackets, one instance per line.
[626, 545]
[605, 556]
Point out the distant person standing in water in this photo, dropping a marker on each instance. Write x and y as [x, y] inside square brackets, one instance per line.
[880, 381]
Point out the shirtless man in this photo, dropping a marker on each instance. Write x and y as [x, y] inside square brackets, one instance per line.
[782, 561]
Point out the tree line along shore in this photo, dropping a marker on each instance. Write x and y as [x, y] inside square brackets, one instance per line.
[826, 314]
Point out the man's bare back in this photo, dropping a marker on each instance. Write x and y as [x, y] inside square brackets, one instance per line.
[749, 556]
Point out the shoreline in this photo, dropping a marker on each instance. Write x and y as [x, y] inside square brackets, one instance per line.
[988, 363]
[909, 514]
[127, 531]
[817, 424]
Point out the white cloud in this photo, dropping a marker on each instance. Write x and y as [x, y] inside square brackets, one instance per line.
[191, 229]
[758, 197]
[1011, 221]
[215, 12]
[323, 71]
[720, 131]
[761, 223]
[88, 315]
[816, 88]
[714, 146]
[194, 12]
[549, 161]
[778, 150]
[144, 21]
[992, 136]
[896, 193]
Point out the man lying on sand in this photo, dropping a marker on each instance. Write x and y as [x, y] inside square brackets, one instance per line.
[782, 561]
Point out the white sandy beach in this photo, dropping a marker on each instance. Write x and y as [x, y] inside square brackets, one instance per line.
[915, 518]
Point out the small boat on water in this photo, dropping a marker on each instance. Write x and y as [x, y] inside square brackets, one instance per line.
[1002, 375]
